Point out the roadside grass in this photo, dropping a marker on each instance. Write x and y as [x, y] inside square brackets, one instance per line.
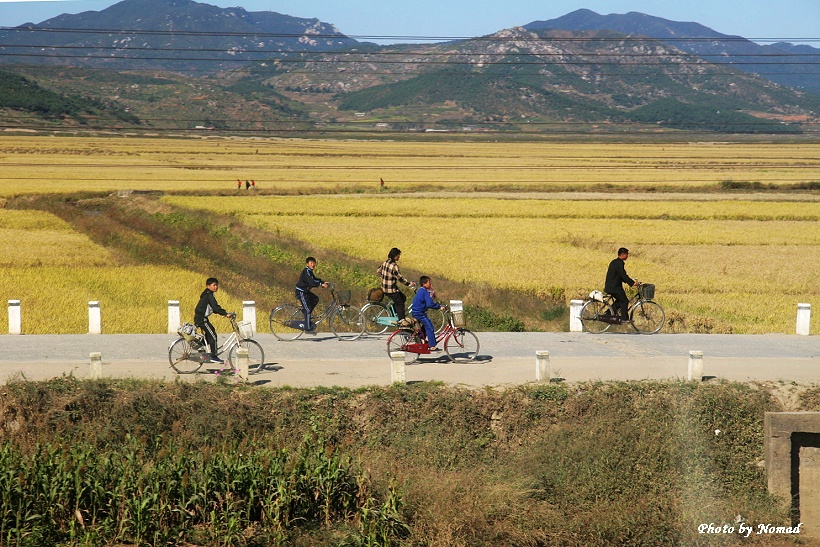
[623, 463]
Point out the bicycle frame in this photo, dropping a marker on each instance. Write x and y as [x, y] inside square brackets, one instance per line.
[646, 316]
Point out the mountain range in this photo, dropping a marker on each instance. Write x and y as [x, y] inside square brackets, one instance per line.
[180, 64]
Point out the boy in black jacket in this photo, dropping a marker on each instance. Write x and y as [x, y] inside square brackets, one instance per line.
[307, 281]
[206, 306]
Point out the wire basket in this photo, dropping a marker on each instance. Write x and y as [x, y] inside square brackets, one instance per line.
[245, 329]
[457, 310]
[648, 291]
[343, 298]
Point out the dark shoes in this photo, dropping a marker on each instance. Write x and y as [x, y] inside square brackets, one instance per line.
[217, 360]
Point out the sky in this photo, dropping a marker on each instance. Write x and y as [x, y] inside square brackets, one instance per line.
[396, 20]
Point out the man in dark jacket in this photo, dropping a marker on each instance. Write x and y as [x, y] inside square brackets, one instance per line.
[615, 278]
[206, 306]
[307, 281]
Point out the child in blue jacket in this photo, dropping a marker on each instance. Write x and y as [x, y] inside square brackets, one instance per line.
[422, 302]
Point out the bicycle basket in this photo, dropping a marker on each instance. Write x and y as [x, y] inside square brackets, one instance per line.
[598, 296]
[457, 309]
[343, 297]
[648, 291]
[375, 295]
[245, 329]
[187, 331]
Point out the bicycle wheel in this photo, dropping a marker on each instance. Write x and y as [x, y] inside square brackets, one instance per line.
[283, 319]
[589, 316]
[438, 319]
[370, 315]
[647, 316]
[347, 323]
[461, 345]
[256, 356]
[399, 340]
[179, 354]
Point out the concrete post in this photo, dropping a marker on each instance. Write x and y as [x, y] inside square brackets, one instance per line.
[95, 368]
[14, 317]
[249, 313]
[542, 366]
[575, 324]
[397, 367]
[94, 318]
[243, 364]
[174, 317]
[803, 319]
[696, 366]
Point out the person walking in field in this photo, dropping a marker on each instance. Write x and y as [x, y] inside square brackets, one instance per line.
[615, 278]
[422, 302]
[207, 306]
[307, 281]
[390, 276]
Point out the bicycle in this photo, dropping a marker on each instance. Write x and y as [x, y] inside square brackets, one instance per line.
[378, 317]
[647, 316]
[188, 352]
[287, 321]
[460, 344]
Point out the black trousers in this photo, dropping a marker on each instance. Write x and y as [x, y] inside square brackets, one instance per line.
[398, 298]
[210, 335]
[308, 301]
[621, 303]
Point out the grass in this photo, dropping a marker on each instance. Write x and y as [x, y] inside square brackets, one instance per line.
[625, 463]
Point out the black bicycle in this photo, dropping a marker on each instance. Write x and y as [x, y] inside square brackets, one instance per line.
[647, 316]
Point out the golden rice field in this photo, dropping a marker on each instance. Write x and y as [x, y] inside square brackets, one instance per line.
[55, 272]
[741, 264]
[67, 164]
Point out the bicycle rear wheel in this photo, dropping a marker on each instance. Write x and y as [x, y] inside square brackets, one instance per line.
[647, 316]
[399, 340]
[371, 313]
[256, 356]
[461, 345]
[284, 320]
[589, 316]
[179, 354]
[347, 323]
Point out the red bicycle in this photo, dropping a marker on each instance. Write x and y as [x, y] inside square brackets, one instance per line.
[460, 344]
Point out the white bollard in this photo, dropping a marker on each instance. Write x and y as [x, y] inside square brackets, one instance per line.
[95, 369]
[94, 318]
[397, 367]
[696, 366]
[243, 363]
[575, 324]
[14, 317]
[803, 319]
[249, 313]
[174, 317]
[542, 366]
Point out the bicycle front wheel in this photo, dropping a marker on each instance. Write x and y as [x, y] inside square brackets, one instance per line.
[256, 356]
[647, 316]
[371, 314]
[179, 354]
[284, 321]
[438, 319]
[400, 340]
[461, 345]
[589, 316]
[347, 323]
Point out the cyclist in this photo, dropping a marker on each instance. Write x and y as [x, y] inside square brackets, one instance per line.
[421, 303]
[307, 281]
[206, 306]
[391, 276]
[615, 278]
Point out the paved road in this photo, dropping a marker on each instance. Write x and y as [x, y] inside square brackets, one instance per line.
[505, 358]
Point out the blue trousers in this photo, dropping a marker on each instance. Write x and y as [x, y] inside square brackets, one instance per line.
[429, 331]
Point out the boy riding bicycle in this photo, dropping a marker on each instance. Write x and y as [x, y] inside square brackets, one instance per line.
[422, 302]
[207, 306]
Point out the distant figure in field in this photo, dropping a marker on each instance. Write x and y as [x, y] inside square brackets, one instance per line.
[238, 184]
[382, 183]
[253, 184]
[247, 185]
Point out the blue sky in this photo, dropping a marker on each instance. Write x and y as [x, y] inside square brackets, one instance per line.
[792, 20]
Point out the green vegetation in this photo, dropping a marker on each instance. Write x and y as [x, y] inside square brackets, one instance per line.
[706, 117]
[633, 463]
